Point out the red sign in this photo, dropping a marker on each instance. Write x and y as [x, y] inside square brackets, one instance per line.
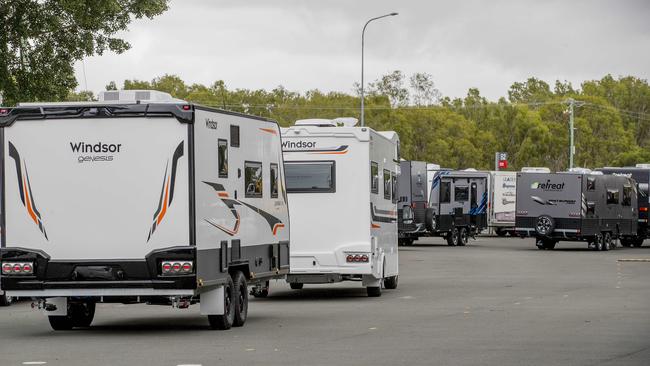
[503, 164]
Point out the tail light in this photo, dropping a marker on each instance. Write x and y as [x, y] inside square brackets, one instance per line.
[643, 209]
[176, 267]
[357, 258]
[17, 268]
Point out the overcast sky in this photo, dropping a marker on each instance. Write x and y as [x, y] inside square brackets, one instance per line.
[305, 45]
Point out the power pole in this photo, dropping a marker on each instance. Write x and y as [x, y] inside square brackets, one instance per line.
[572, 148]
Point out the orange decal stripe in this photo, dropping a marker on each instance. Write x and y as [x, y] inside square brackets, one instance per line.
[29, 202]
[165, 203]
[276, 227]
[375, 226]
[223, 194]
[269, 130]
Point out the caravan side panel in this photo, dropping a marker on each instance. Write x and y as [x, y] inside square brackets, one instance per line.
[241, 217]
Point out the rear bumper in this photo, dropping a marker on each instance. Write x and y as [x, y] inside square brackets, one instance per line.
[113, 277]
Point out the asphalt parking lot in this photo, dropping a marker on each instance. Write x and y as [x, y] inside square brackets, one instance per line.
[496, 302]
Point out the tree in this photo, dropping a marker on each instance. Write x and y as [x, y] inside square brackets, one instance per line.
[530, 91]
[40, 40]
[392, 86]
[424, 89]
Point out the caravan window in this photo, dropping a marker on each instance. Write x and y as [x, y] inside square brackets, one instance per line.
[222, 158]
[445, 192]
[473, 196]
[274, 180]
[310, 176]
[612, 196]
[591, 183]
[461, 193]
[387, 184]
[627, 196]
[374, 177]
[393, 178]
[253, 179]
[234, 136]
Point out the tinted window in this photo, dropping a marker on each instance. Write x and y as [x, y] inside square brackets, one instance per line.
[223, 158]
[612, 196]
[310, 176]
[473, 197]
[387, 185]
[234, 136]
[394, 180]
[627, 196]
[591, 183]
[461, 193]
[253, 179]
[445, 192]
[374, 177]
[274, 180]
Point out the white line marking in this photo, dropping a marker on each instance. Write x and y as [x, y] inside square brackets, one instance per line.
[34, 363]
[190, 364]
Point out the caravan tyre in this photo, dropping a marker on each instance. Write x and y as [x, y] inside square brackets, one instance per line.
[549, 244]
[390, 283]
[452, 237]
[225, 321]
[607, 242]
[373, 291]
[463, 237]
[626, 242]
[5, 300]
[540, 244]
[638, 242]
[296, 285]
[82, 314]
[60, 322]
[500, 232]
[241, 298]
[598, 242]
[430, 220]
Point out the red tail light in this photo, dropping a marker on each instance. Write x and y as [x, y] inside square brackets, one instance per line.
[356, 258]
[643, 209]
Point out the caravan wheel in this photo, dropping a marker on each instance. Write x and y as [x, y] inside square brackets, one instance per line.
[241, 298]
[83, 314]
[5, 300]
[225, 321]
[390, 283]
[638, 242]
[625, 242]
[463, 238]
[373, 291]
[452, 237]
[607, 242]
[296, 285]
[598, 242]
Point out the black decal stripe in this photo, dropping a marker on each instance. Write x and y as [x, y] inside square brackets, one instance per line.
[272, 220]
[380, 218]
[19, 171]
[177, 155]
[216, 186]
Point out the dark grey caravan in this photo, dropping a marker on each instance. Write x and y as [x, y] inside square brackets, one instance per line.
[412, 201]
[642, 178]
[458, 204]
[593, 208]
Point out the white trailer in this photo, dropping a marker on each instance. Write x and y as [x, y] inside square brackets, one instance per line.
[140, 198]
[503, 193]
[341, 181]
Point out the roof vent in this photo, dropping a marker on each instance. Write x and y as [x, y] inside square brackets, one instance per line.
[136, 96]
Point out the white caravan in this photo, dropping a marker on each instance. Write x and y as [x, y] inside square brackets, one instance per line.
[503, 191]
[341, 182]
[140, 198]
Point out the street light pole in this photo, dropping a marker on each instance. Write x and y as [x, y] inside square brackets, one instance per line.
[363, 34]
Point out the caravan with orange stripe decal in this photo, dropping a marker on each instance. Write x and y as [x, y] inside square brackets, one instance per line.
[341, 181]
[141, 197]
